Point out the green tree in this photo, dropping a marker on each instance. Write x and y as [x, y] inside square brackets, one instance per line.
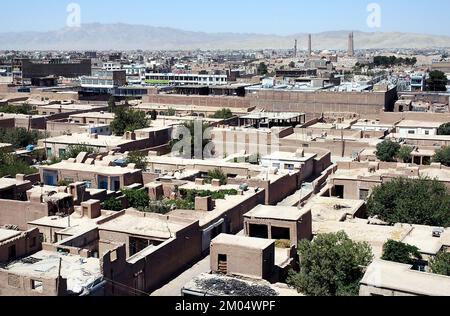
[223, 114]
[219, 175]
[138, 158]
[399, 252]
[437, 81]
[19, 137]
[444, 129]
[441, 263]
[11, 166]
[387, 150]
[262, 69]
[112, 204]
[292, 64]
[171, 112]
[330, 265]
[18, 109]
[413, 201]
[128, 120]
[112, 104]
[443, 156]
[74, 150]
[405, 153]
[137, 199]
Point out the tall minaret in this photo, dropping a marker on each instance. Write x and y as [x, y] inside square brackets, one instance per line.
[295, 49]
[351, 45]
[309, 45]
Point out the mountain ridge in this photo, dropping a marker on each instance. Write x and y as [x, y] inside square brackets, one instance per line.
[121, 36]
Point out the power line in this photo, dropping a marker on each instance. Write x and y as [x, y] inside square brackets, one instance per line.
[130, 289]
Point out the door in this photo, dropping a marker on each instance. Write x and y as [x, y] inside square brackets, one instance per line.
[222, 264]
[12, 253]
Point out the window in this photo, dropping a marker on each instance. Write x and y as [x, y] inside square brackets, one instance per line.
[88, 183]
[427, 132]
[12, 252]
[281, 233]
[411, 132]
[289, 166]
[62, 152]
[363, 194]
[258, 231]
[49, 152]
[37, 286]
[33, 242]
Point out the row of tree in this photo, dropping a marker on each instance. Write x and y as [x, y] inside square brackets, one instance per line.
[389, 151]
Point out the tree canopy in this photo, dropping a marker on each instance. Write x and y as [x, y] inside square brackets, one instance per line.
[138, 158]
[413, 201]
[330, 265]
[18, 109]
[405, 153]
[223, 114]
[19, 137]
[11, 166]
[262, 69]
[74, 150]
[137, 199]
[437, 81]
[399, 252]
[443, 156]
[387, 151]
[444, 129]
[389, 61]
[128, 120]
[441, 263]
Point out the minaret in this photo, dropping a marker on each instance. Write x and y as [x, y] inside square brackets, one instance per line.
[351, 45]
[309, 45]
[295, 49]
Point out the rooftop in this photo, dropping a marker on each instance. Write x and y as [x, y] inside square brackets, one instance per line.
[100, 141]
[332, 209]
[397, 276]
[288, 156]
[144, 224]
[79, 272]
[361, 231]
[6, 183]
[97, 169]
[242, 241]
[100, 115]
[6, 234]
[422, 124]
[276, 212]
[422, 238]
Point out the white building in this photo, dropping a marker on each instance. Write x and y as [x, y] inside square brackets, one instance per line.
[408, 127]
[185, 79]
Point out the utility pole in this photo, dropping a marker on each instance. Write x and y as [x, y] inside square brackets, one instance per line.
[59, 276]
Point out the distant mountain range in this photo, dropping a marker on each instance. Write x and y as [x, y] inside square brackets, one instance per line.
[130, 37]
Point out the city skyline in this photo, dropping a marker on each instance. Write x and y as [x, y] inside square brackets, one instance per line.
[215, 18]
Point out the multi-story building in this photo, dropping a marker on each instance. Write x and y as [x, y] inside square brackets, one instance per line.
[185, 79]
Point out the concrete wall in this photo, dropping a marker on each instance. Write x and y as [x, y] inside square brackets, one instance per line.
[246, 261]
[210, 101]
[151, 268]
[19, 285]
[26, 243]
[323, 101]
[20, 213]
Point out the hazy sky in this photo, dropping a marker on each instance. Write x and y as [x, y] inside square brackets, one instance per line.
[255, 16]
